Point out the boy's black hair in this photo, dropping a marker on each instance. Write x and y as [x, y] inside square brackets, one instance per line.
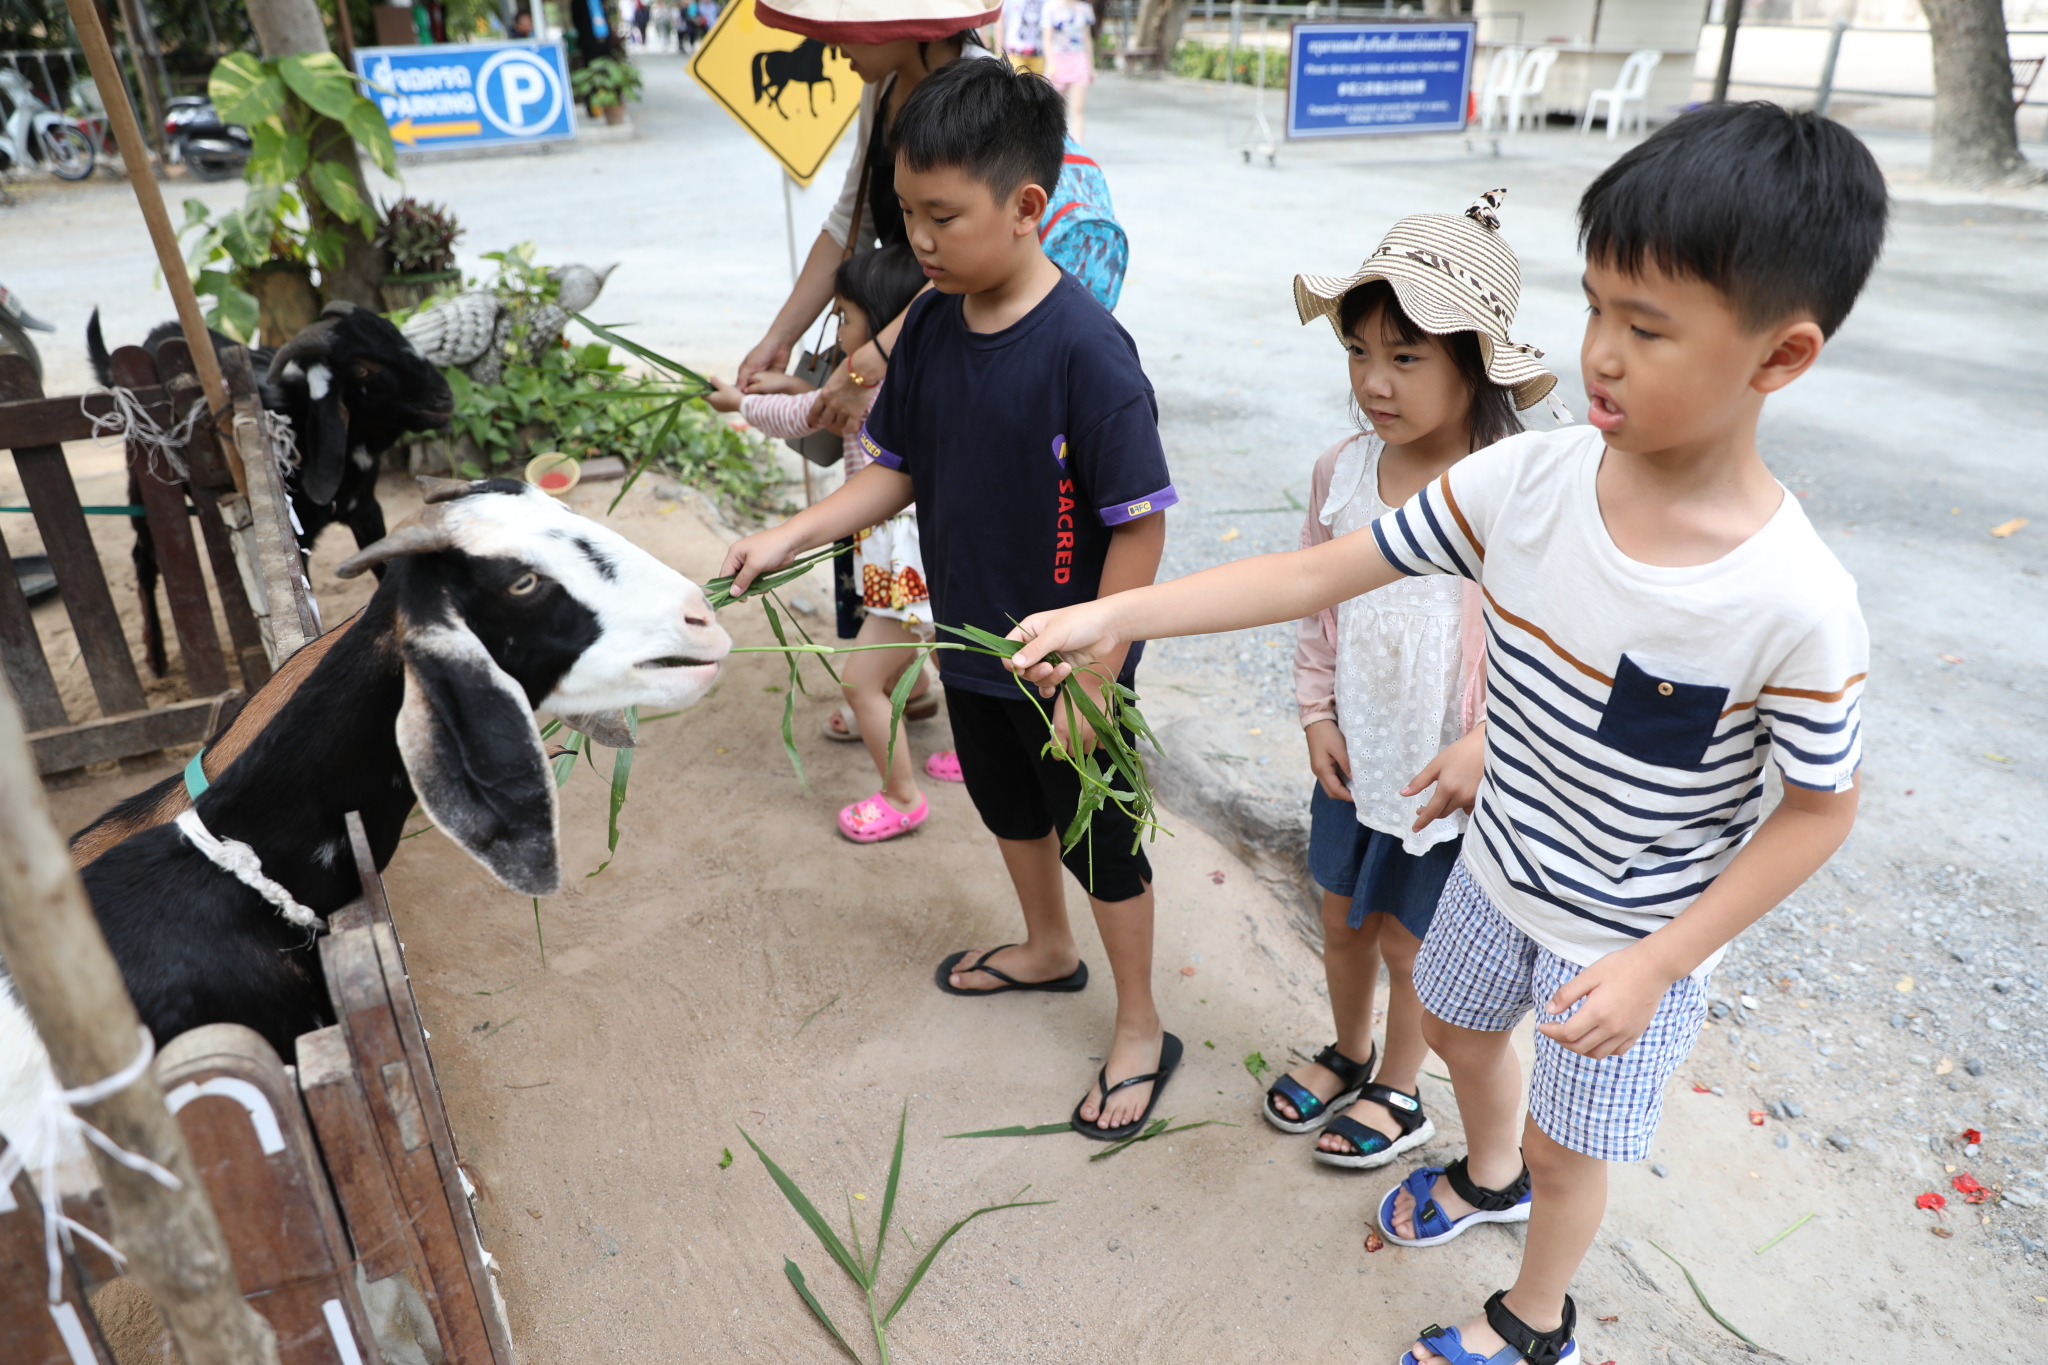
[1781, 212]
[1493, 416]
[880, 283]
[1002, 126]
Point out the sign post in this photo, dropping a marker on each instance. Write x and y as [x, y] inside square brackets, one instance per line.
[794, 95]
[462, 95]
[1357, 79]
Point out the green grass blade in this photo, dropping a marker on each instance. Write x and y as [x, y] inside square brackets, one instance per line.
[808, 1211]
[796, 1277]
[1701, 1295]
[859, 1254]
[789, 733]
[917, 1275]
[889, 1192]
[994, 643]
[1018, 1130]
[1797, 1224]
[654, 358]
[899, 698]
[622, 772]
[1158, 1128]
[824, 654]
[565, 763]
[675, 411]
[541, 938]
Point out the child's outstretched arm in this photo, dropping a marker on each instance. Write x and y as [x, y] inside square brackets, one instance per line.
[1250, 592]
[1621, 990]
[869, 497]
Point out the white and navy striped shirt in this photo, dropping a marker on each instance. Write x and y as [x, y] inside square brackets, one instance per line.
[1630, 707]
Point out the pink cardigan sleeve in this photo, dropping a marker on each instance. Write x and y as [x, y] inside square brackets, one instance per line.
[1315, 637]
[782, 415]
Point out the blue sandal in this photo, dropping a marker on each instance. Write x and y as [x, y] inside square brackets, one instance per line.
[1369, 1146]
[1432, 1225]
[1311, 1110]
[1524, 1343]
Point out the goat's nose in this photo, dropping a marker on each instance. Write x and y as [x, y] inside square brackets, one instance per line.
[697, 611]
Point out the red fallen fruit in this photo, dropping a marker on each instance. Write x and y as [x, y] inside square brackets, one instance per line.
[1216, 877]
[1931, 1200]
[1757, 1117]
[1699, 1089]
[1373, 1241]
[1966, 1183]
[1969, 1137]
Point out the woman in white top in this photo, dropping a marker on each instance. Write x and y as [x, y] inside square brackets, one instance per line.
[1390, 684]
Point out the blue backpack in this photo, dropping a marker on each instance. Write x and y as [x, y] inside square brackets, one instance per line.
[1081, 234]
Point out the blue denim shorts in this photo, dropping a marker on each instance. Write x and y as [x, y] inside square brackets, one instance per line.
[1372, 868]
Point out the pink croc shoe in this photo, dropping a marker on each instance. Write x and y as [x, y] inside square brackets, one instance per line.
[873, 820]
[945, 766]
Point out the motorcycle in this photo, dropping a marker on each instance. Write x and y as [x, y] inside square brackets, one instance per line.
[31, 132]
[16, 322]
[209, 148]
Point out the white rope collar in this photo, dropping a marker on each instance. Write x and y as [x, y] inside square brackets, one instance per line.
[239, 861]
[49, 1126]
[131, 421]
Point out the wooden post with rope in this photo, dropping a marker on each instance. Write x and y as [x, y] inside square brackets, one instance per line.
[67, 979]
[106, 74]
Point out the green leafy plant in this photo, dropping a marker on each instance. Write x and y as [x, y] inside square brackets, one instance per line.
[864, 1270]
[420, 236]
[606, 81]
[1203, 62]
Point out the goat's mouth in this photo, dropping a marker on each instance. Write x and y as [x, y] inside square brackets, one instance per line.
[677, 661]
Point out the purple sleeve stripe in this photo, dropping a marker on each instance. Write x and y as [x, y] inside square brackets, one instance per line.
[877, 455]
[1139, 507]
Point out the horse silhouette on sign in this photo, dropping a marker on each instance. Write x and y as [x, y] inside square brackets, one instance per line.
[775, 72]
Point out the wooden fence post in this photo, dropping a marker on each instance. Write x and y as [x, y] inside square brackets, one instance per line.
[67, 978]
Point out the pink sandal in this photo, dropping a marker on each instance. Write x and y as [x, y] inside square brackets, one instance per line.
[945, 766]
[873, 820]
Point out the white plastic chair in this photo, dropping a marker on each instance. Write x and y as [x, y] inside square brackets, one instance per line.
[1526, 99]
[1629, 96]
[1499, 84]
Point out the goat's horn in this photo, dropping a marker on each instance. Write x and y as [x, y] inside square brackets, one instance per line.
[433, 490]
[313, 339]
[422, 533]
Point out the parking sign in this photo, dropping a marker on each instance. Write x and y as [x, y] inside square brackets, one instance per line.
[470, 94]
[1353, 79]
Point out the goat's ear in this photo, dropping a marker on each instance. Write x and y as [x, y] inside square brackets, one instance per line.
[475, 758]
[323, 451]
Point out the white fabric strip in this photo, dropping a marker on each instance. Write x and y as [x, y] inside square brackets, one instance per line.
[239, 861]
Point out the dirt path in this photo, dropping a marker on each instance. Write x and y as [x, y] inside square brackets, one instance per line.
[740, 965]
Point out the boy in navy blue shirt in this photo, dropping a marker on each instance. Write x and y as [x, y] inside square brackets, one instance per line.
[1018, 418]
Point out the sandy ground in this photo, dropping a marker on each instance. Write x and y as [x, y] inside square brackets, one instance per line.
[741, 966]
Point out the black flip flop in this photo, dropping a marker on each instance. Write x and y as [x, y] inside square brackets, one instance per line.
[1169, 1058]
[1072, 981]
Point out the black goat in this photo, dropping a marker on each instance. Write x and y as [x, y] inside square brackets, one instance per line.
[351, 385]
[498, 600]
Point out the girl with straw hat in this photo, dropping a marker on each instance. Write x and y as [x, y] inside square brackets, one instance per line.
[1389, 684]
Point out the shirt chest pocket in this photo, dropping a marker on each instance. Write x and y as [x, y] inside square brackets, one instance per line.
[1658, 721]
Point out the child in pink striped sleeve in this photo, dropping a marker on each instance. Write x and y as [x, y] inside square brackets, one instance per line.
[888, 569]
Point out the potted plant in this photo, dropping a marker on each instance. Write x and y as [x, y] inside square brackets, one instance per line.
[421, 239]
[604, 85]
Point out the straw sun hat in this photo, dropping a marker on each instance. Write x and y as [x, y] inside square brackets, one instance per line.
[1452, 273]
[876, 21]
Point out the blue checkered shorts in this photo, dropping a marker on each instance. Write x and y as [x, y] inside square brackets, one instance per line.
[1478, 971]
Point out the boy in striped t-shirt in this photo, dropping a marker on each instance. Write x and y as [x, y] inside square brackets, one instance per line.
[1661, 620]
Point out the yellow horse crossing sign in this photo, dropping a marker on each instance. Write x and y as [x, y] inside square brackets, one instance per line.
[794, 94]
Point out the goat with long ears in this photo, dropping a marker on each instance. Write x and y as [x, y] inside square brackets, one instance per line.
[497, 600]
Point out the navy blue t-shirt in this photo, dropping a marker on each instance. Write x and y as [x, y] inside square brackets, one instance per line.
[1024, 447]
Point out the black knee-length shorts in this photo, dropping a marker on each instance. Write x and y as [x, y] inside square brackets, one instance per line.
[1022, 794]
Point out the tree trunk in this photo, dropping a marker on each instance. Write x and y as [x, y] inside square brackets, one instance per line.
[285, 28]
[1976, 136]
[1158, 28]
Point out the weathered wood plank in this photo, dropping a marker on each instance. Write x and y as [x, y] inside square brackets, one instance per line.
[254, 1153]
[53, 421]
[170, 531]
[47, 480]
[138, 732]
[385, 1244]
[34, 1331]
[378, 907]
[21, 652]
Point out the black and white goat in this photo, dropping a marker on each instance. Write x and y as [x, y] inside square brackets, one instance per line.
[498, 600]
[351, 385]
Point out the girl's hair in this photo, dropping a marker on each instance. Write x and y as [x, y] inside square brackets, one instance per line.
[1493, 415]
[880, 283]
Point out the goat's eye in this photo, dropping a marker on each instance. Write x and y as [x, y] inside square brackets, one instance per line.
[524, 585]
[362, 370]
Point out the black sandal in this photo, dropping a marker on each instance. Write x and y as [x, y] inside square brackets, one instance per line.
[1311, 1110]
[1536, 1348]
[1369, 1146]
[1169, 1058]
[1072, 981]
